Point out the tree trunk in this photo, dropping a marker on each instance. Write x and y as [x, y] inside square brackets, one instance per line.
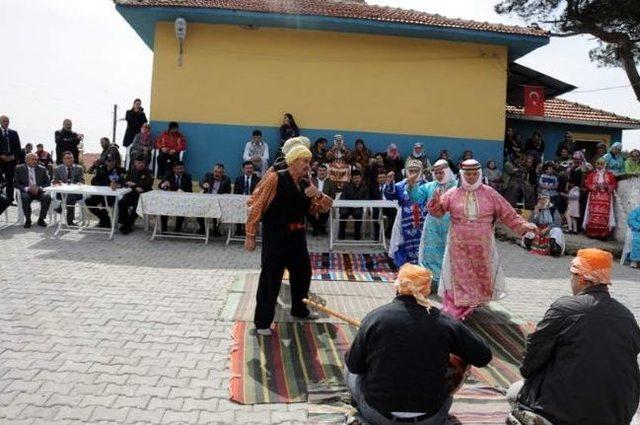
[629, 65]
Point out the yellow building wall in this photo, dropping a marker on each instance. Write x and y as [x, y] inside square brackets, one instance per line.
[328, 80]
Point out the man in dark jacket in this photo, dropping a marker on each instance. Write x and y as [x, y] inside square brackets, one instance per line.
[581, 364]
[355, 190]
[107, 174]
[246, 183]
[176, 181]
[318, 221]
[217, 183]
[31, 179]
[9, 153]
[67, 140]
[398, 361]
[140, 180]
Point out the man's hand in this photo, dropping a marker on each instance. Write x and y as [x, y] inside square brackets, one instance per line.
[164, 150]
[312, 192]
[4, 158]
[80, 137]
[33, 189]
[412, 177]
[390, 177]
[206, 186]
[172, 152]
[164, 185]
[131, 184]
[530, 227]
[250, 243]
[139, 189]
[113, 185]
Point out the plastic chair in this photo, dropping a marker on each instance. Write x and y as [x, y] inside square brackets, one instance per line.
[21, 217]
[154, 161]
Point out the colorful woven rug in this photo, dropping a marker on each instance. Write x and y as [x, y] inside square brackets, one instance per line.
[277, 369]
[351, 267]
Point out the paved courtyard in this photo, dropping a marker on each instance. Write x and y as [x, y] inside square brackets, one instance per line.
[129, 331]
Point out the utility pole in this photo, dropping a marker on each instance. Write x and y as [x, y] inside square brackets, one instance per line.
[115, 118]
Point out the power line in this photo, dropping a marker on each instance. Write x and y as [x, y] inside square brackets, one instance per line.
[604, 88]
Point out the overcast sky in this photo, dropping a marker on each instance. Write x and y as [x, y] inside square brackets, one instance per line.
[77, 58]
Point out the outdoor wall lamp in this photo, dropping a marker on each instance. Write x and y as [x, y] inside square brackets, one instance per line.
[180, 27]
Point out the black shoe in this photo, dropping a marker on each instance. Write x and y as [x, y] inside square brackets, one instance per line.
[13, 204]
[58, 210]
[71, 223]
[27, 224]
[104, 224]
[42, 223]
[125, 230]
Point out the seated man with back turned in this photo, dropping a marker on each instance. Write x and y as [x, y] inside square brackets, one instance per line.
[140, 180]
[217, 183]
[398, 361]
[107, 174]
[176, 181]
[318, 221]
[355, 190]
[581, 364]
[69, 173]
[30, 179]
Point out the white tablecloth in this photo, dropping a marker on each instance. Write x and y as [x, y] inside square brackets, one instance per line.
[87, 190]
[228, 208]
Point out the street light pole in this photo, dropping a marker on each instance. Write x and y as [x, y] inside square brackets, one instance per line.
[115, 118]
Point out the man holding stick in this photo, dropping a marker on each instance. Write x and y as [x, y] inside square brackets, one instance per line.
[397, 364]
[282, 202]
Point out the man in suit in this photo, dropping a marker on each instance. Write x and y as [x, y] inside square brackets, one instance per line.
[107, 174]
[214, 183]
[176, 181]
[325, 185]
[355, 190]
[69, 173]
[9, 153]
[376, 193]
[30, 179]
[140, 180]
[246, 183]
[4, 201]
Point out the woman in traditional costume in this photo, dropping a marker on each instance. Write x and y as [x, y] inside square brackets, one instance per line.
[598, 218]
[407, 228]
[435, 230]
[471, 273]
[631, 249]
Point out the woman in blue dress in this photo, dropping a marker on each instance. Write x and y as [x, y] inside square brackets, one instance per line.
[434, 233]
[407, 229]
[631, 249]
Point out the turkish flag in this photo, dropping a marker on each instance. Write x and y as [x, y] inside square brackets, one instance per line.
[534, 100]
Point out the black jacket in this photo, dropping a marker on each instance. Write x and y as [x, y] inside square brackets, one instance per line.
[402, 351]
[580, 365]
[11, 146]
[186, 184]
[225, 184]
[134, 123]
[353, 193]
[66, 141]
[238, 186]
[143, 179]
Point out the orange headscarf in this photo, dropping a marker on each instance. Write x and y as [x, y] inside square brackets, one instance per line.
[593, 265]
[415, 281]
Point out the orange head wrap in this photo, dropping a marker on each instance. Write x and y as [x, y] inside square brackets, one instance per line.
[415, 281]
[593, 265]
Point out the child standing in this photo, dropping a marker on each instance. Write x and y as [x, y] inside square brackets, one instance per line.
[573, 210]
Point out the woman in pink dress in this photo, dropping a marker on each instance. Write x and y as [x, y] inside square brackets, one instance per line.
[471, 273]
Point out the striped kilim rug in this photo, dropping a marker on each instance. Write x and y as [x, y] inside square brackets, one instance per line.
[351, 267]
[277, 369]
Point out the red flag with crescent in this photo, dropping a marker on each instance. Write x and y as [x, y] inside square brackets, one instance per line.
[534, 100]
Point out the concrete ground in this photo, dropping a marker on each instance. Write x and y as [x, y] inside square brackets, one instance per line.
[129, 330]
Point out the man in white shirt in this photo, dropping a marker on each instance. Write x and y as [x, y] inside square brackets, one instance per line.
[31, 178]
[257, 151]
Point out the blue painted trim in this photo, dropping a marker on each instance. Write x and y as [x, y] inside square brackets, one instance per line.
[208, 144]
[143, 20]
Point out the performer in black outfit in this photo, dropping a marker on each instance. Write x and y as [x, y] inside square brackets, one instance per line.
[281, 202]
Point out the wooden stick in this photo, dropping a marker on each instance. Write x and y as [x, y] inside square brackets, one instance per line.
[330, 312]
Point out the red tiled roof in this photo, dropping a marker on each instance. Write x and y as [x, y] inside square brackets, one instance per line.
[565, 110]
[353, 9]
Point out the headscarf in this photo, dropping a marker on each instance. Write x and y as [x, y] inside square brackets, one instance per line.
[415, 281]
[295, 141]
[615, 145]
[470, 164]
[297, 152]
[594, 265]
[391, 147]
[417, 155]
[448, 174]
